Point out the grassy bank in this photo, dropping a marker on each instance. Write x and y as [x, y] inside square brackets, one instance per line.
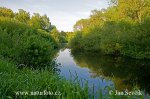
[13, 80]
[29, 84]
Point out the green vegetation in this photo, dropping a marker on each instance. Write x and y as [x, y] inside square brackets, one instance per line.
[25, 45]
[31, 41]
[14, 81]
[27, 50]
[126, 73]
[121, 29]
[35, 21]
[28, 45]
[69, 36]
[5, 12]
[27, 84]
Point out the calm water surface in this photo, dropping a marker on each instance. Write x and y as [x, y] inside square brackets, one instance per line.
[119, 73]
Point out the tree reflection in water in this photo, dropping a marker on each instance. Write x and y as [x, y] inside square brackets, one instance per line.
[124, 72]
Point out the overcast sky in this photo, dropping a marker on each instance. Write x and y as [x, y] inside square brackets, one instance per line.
[62, 13]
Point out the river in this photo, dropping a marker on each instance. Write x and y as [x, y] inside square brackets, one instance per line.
[105, 71]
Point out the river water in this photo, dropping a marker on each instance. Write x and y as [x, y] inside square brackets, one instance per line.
[105, 71]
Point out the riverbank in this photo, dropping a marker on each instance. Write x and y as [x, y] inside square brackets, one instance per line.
[115, 31]
[102, 72]
[26, 83]
[29, 84]
[28, 69]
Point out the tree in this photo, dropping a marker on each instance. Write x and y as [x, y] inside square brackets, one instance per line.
[83, 23]
[55, 34]
[136, 10]
[121, 29]
[5, 12]
[23, 16]
[46, 25]
[41, 22]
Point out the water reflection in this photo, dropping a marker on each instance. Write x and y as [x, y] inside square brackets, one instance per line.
[123, 73]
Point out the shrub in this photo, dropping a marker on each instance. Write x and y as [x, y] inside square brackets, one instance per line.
[25, 44]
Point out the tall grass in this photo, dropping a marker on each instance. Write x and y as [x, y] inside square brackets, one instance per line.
[13, 80]
[18, 84]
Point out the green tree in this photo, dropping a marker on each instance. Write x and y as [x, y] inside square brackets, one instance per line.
[136, 10]
[22, 16]
[55, 34]
[41, 22]
[121, 29]
[25, 45]
[81, 24]
[5, 12]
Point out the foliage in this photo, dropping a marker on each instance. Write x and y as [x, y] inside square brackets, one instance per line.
[40, 22]
[63, 37]
[5, 12]
[60, 37]
[76, 42]
[69, 36]
[14, 81]
[26, 83]
[36, 20]
[121, 29]
[22, 16]
[23, 44]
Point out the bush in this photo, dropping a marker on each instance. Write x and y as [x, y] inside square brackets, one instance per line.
[116, 38]
[25, 44]
[77, 43]
[137, 41]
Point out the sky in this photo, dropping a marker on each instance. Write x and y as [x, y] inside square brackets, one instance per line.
[62, 13]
